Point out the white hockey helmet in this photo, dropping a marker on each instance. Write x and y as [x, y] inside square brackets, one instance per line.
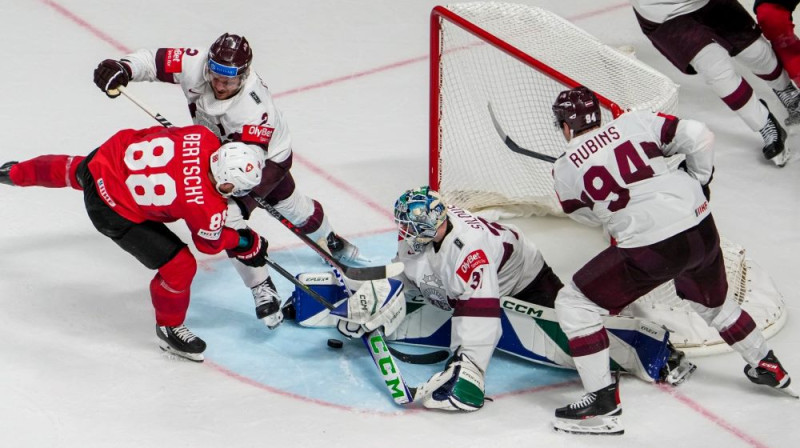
[238, 164]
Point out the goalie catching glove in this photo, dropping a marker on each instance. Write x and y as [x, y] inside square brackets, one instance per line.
[375, 304]
[458, 388]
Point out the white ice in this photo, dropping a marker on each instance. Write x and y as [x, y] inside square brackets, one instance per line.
[79, 366]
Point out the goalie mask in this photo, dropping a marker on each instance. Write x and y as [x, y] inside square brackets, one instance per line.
[577, 107]
[419, 213]
[237, 164]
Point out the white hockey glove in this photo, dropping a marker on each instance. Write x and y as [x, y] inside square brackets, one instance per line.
[458, 388]
[376, 304]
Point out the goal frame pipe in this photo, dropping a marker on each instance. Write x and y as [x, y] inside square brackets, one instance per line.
[440, 13]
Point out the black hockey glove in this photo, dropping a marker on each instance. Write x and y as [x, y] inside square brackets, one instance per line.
[111, 74]
[252, 249]
[706, 189]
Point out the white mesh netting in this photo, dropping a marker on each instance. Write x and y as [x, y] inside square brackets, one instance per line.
[476, 170]
[518, 58]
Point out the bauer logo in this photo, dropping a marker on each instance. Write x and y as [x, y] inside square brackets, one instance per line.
[173, 60]
[257, 134]
[209, 234]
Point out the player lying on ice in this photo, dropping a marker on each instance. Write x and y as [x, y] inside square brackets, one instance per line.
[660, 222]
[140, 179]
[474, 285]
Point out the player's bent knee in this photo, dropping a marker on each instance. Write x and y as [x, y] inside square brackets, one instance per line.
[577, 315]
[178, 272]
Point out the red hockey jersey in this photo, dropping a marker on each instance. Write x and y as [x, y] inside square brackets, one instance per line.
[162, 174]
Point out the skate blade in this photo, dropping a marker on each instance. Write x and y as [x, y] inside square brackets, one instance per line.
[789, 391]
[680, 374]
[195, 357]
[599, 425]
[783, 158]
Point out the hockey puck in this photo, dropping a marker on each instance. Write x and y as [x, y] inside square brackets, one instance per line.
[335, 343]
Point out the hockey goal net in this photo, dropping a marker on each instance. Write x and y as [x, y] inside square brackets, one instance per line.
[496, 69]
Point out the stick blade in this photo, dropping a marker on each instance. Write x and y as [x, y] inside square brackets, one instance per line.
[373, 272]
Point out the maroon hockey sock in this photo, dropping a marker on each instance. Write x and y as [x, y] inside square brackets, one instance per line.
[49, 171]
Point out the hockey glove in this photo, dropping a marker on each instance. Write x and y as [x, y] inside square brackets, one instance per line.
[252, 249]
[376, 304]
[458, 388]
[706, 189]
[350, 329]
[110, 74]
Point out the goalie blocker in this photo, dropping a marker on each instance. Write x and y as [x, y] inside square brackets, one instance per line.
[639, 347]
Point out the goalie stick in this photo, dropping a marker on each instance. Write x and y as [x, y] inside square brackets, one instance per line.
[353, 272]
[411, 358]
[512, 145]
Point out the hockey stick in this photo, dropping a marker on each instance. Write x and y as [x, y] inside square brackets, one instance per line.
[288, 276]
[420, 358]
[411, 358]
[512, 145]
[157, 116]
[353, 272]
[382, 356]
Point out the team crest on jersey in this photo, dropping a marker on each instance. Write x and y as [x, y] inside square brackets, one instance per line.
[257, 134]
[173, 60]
[432, 288]
[472, 261]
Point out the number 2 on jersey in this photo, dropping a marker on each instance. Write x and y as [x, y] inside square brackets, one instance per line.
[599, 183]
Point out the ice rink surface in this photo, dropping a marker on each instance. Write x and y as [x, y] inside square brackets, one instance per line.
[79, 366]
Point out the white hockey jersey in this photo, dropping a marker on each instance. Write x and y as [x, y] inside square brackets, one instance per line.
[477, 262]
[249, 116]
[660, 11]
[617, 176]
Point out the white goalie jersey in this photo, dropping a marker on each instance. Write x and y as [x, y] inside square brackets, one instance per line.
[617, 176]
[478, 262]
[249, 116]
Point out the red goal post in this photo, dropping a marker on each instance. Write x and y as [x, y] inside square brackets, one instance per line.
[517, 58]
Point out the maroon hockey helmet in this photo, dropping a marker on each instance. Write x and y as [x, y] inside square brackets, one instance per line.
[230, 56]
[577, 107]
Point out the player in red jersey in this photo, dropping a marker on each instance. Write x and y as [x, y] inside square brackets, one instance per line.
[140, 179]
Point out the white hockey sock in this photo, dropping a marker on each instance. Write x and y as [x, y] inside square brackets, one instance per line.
[716, 67]
[593, 370]
[761, 60]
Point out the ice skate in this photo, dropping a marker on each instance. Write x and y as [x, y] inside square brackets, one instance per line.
[5, 169]
[790, 98]
[774, 137]
[597, 412]
[268, 304]
[343, 250]
[181, 341]
[678, 369]
[770, 373]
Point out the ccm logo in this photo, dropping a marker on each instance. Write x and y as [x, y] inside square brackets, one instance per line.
[257, 134]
